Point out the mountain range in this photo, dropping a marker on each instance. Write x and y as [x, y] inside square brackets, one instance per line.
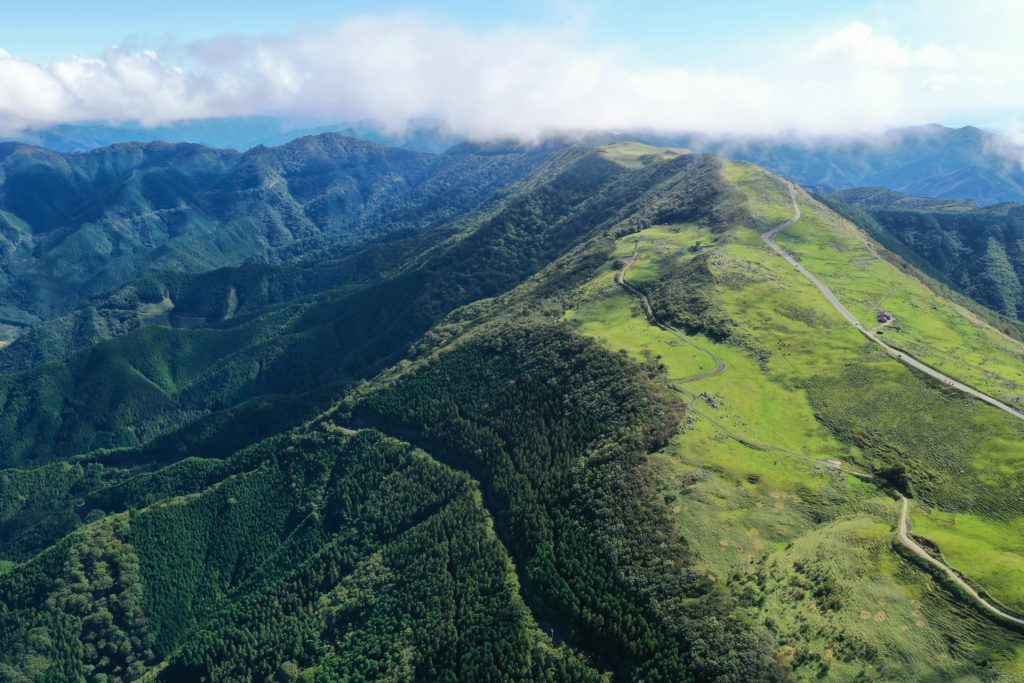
[565, 412]
[75, 225]
[233, 132]
[928, 161]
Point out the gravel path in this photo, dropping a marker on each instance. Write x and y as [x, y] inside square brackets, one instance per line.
[903, 529]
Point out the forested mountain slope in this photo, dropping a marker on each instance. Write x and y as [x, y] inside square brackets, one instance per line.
[468, 453]
[75, 225]
[582, 401]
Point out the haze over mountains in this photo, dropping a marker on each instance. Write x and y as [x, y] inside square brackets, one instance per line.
[924, 161]
[927, 161]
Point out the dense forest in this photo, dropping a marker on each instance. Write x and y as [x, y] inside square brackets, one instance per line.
[76, 225]
[316, 556]
[556, 430]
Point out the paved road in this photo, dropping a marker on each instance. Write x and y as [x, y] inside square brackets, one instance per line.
[903, 536]
[769, 239]
[902, 531]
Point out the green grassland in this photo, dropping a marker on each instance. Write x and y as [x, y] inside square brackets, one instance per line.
[637, 154]
[810, 547]
[933, 329]
[971, 454]
[766, 195]
[986, 550]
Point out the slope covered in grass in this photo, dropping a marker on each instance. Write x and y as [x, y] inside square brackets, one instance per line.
[976, 249]
[809, 547]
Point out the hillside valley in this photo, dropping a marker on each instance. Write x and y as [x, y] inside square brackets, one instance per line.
[975, 249]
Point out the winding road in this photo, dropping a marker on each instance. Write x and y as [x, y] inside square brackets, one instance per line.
[719, 368]
[908, 360]
[903, 536]
[903, 529]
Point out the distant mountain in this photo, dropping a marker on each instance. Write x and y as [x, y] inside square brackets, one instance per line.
[928, 161]
[978, 250]
[234, 132]
[75, 225]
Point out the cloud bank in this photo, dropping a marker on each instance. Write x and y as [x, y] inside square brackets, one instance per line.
[523, 82]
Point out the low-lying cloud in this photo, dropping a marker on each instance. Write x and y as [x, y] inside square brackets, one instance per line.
[521, 82]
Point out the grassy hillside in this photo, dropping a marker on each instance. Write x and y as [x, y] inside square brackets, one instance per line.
[975, 249]
[808, 546]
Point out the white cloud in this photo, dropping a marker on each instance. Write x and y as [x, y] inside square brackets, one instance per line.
[857, 44]
[522, 82]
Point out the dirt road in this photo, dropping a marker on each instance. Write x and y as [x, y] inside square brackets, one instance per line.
[903, 528]
[620, 278]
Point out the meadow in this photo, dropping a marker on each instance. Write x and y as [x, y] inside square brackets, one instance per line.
[931, 328]
[810, 547]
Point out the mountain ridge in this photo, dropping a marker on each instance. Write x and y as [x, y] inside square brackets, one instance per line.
[461, 453]
[123, 210]
[931, 160]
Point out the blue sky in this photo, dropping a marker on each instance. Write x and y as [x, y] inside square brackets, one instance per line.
[520, 68]
[698, 32]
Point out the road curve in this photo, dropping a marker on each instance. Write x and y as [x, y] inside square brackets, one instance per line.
[908, 360]
[903, 536]
[620, 278]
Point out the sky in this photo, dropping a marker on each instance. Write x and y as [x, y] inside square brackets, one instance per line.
[520, 68]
